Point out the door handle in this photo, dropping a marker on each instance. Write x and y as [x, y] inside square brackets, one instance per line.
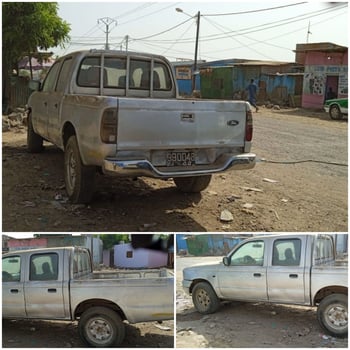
[45, 104]
[257, 274]
[14, 291]
[56, 105]
[52, 290]
[293, 275]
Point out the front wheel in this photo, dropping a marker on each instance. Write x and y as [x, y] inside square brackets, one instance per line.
[335, 113]
[79, 178]
[204, 298]
[101, 327]
[332, 314]
[192, 184]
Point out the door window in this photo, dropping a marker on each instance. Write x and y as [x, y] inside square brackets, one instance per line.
[44, 267]
[11, 269]
[250, 254]
[50, 80]
[64, 75]
[286, 252]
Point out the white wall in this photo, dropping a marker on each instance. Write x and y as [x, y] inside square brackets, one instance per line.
[127, 257]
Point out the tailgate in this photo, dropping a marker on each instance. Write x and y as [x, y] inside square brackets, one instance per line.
[180, 124]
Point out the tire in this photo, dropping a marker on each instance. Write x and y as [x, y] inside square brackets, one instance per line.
[34, 141]
[204, 298]
[192, 184]
[101, 327]
[335, 113]
[332, 314]
[79, 178]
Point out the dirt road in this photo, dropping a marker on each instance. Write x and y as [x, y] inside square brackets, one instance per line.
[58, 334]
[283, 196]
[246, 325]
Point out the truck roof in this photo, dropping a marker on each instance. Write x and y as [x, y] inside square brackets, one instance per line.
[34, 250]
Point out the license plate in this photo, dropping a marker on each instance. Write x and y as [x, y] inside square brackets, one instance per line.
[180, 158]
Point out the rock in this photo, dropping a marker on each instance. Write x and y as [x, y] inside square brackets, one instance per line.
[226, 216]
[251, 189]
[248, 206]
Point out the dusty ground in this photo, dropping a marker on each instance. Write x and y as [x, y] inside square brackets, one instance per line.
[246, 325]
[56, 334]
[306, 196]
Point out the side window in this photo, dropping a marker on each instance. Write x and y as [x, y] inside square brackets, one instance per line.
[324, 248]
[116, 72]
[161, 77]
[11, 269]
[286, 252]
[50, 80]
[64, 75]
[250, 254]
[43, 267]
[81, 263]
[139, 77]
[89, 72]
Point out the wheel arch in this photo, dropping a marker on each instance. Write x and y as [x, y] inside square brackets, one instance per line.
[87, 304]
[198, 280]
[68, 130]
[324, 292]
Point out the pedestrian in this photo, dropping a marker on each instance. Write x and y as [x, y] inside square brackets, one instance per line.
[252, 90]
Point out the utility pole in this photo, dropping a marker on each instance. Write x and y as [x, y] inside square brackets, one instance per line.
[196, 47]
[196, 52]
[107, 21]
[126, 42]
[308, 33]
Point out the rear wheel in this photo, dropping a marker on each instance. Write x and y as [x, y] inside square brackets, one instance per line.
[332, 314]
[335, 113]
[101, 327]
[79, 178]
[204, 298]
[192, 184]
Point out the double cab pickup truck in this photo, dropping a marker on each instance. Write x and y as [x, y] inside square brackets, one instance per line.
[59, 284]
[283, 269]
[119, 113]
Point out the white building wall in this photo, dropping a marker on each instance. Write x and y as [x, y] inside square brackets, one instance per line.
[127, 257]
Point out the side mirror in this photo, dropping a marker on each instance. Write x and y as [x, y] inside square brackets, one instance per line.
[34, 85]
[226, 261]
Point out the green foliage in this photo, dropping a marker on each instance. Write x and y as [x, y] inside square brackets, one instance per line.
[109, 240]
[29, 26]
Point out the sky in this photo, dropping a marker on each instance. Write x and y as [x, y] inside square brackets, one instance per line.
[231, 29]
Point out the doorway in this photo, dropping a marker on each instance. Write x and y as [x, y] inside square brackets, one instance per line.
[332, 83]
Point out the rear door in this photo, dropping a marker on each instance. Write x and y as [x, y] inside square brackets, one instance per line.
[12, 287]
[44, 286]
[286, 271]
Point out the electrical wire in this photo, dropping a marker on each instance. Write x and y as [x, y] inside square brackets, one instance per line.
[302, 161]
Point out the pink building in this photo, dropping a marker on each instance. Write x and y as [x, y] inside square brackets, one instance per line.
[326, 72]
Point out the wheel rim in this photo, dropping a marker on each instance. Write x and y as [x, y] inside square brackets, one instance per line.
[336, 316]
[71, 171]
[203, 299]
[99, 330]
[335, 113]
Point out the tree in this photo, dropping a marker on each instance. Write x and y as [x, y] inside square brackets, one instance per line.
[109, 240]
[26, 28]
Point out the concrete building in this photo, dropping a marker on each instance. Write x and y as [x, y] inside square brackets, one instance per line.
[326, 67]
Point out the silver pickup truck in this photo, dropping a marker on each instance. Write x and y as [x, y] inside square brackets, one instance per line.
[283, 269]
[119, 113]
[59, 284]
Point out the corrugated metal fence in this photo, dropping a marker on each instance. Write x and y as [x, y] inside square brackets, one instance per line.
[19, 92]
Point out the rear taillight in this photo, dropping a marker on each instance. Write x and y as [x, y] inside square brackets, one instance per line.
[109, 126]
[249, 126]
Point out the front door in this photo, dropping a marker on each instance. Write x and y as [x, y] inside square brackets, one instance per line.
[245, 277]
[44, 289]
[12, 288]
